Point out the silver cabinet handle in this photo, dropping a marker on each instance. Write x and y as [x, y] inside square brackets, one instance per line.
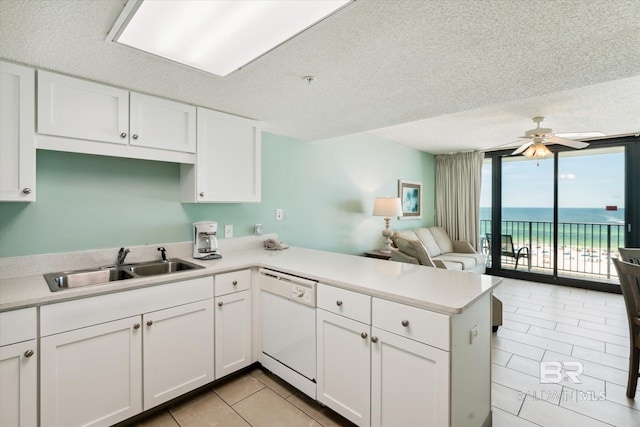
[405, 323]
[202, 194]
[234, 283]
[26, 190]
[134, 136]
[364, 335]
[136, 326]
[374, 339]
[339, 303]
[220, 303]
[28, 353]
[149, 322]
[123, 135]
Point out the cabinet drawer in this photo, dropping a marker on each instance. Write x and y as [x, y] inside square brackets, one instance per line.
[17, 325]
[421, 325]
[232, 282]
[345, 303]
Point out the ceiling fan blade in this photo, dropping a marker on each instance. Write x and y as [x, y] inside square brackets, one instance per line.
[568, 142]
[522, 148]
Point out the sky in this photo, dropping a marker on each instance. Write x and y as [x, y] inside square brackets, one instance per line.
[592, 179]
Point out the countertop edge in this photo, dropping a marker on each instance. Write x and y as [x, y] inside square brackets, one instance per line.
[212, 268]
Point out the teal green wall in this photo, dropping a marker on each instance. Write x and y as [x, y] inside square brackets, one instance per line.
[326, 189]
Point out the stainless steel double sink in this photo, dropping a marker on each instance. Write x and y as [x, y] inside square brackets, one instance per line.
[79, 278]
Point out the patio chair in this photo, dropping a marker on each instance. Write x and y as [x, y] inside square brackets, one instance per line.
[631, 255]
[629, 275]
[507, 249]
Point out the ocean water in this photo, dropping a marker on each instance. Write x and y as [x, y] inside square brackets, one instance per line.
[588, 228]
[569, 215]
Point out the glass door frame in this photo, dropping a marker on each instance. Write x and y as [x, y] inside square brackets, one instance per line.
[631, 145]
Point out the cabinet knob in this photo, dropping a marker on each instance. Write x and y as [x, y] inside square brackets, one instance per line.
[202, 194]
[220, 303]
[374, 339]
[405, 323]
[234, 283]
[134, 136]
[339, 303]
[123, 135]
[364, 335]
[149, 322]
[26, 190]
[28, 353]
[136, 326]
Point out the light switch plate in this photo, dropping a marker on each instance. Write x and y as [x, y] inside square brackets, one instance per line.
[279, 214]
[228, 231]
[473, 334]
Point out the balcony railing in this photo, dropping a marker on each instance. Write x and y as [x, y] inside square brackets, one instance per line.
[584, 249]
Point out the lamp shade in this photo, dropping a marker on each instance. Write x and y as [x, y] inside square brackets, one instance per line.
[537, 151]
[387, 207]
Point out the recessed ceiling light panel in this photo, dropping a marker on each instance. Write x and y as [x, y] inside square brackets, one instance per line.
[217, 36]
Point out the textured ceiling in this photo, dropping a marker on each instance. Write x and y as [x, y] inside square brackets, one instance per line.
[440, 75]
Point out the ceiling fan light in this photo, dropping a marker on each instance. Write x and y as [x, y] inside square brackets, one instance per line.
[537, 151]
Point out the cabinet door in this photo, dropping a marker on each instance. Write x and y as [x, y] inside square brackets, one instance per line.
[228, 162]
[233, 332]
[160, 123]
[19, 385]
[344, 366]
[178, 351]
[409, 382]
[17, 133]
[92, 376]
[80, 109]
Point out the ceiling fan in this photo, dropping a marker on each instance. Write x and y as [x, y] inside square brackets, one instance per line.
[536, 147]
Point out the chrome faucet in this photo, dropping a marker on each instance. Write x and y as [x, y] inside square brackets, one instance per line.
[122, 254]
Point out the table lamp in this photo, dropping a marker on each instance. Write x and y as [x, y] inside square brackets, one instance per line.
[387, 207]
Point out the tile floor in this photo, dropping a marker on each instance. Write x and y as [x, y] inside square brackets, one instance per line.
[585, 330]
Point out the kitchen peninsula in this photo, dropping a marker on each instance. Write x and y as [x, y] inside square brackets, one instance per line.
[432, 363]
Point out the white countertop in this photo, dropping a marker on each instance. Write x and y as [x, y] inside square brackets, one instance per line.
[444, 291]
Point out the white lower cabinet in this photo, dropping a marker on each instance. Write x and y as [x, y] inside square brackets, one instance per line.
[92, 376]
[178, 351]
[386, 364]
[409, 382]
[233, 332]
[18, 385]
[97, 371]
[18, 368]
[344, 366]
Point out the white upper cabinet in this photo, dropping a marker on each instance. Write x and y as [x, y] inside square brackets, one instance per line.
[85, 117]
[227, 168]
[17, 133]
[160, 123]
[80, 109]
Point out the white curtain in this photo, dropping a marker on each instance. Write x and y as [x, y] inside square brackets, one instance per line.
[458, 183]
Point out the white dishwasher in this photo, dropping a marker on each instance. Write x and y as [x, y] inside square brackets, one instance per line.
[288, 311]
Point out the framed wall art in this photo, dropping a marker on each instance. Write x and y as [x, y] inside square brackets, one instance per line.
[410, 194]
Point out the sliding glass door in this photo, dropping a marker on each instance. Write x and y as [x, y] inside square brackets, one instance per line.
[591, 206]
[561, 219]
[527, 215]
